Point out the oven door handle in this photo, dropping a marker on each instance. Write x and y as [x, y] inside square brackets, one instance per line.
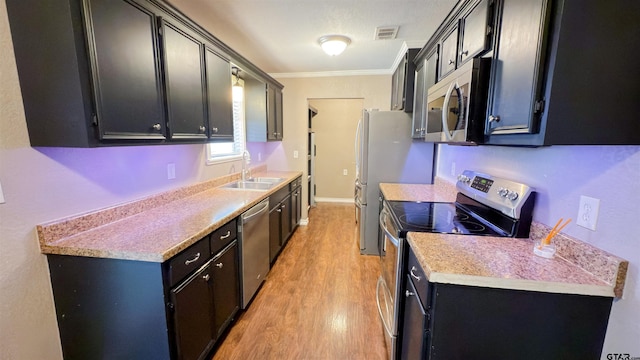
[384, 321]
[381, 221]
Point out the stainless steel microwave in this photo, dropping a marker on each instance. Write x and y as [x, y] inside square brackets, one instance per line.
[457, 104]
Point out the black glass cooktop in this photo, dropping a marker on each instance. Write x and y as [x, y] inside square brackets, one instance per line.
[436, 217]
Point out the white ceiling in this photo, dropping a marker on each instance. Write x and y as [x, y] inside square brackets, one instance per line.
[281, 36]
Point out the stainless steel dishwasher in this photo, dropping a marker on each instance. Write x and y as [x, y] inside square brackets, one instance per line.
[254, 249]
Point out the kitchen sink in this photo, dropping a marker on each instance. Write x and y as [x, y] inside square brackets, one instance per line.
[271, 180]
[249, 185]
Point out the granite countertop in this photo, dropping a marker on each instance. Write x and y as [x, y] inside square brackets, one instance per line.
[156, 228]
[508, 263]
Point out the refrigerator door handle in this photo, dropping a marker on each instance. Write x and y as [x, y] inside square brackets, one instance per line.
[357, 148]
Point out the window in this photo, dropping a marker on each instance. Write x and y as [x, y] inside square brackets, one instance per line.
[231, 150]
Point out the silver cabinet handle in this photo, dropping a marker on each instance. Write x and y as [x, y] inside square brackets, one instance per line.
[413, 268]
[464, 53]
[157, 127]
[219, 265]
[214, 130]
[206, 277]
[409, 293]
[450, 62]
[226, 235]
[195, 258]
[283, 206]
[493, 118]
[202, 128]
[279, 209]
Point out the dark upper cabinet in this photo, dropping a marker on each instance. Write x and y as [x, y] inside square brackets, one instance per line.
[517, 72]
[263, 110]
[476, 29]
[185, 82]
[448, 52]
[419, 101]
[566, 74]
[402, 82]
[426, 71]
[126, 72]
[219, 96]
[122, 41]
[274, 113]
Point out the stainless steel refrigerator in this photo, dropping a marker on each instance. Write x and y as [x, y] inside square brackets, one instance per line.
[385, 153]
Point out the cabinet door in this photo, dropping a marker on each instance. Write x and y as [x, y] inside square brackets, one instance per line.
[125, 66]
[475, 32]
[272, 123]
[192, 315]
[296, 208]
[279, 115]
[414, 328]
[419, 103]
[184, 78]
[219, 97]
[226, 288]
[398, 79]
[448, 56]
[274, 232]
[431, 69]
[285, 219]
[517, 68]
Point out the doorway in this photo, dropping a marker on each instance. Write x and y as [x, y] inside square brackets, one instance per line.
[334, 127]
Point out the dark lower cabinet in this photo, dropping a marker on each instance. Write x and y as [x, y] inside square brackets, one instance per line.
[415, 325]
[226, 287]
[126, 309]
[284, 216]
[448, 321]
[192, 307]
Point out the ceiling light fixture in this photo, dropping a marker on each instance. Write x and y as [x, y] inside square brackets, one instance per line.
[334, 44]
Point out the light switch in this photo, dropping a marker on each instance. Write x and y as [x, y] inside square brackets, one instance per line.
[171, 171]
[295, 154]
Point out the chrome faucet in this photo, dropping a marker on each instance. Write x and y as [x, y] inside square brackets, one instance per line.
[246, 160]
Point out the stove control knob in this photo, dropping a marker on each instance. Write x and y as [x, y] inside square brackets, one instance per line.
[464, 179]
[502, 192]
[512, 195]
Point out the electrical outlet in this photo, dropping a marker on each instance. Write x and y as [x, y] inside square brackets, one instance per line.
[295, 154]
[259, 156]
[588, 212]
[171, 171]
[344, 172]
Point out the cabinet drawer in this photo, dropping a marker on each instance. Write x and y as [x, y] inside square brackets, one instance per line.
[223, 236]
[295, 183]
[187, 261]
[417, 275]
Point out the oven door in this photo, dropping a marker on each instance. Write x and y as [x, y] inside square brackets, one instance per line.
[387, 289]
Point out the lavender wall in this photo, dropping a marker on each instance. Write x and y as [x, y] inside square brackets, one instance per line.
[560, 175]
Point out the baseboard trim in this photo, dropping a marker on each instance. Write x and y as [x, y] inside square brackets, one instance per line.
[335, 200]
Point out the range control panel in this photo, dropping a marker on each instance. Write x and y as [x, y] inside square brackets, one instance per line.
[482, 184]
[501, 194]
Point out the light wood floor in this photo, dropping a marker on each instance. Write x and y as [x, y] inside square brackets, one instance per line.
[318, 301]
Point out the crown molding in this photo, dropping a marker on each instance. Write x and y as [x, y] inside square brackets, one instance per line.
[403, 49]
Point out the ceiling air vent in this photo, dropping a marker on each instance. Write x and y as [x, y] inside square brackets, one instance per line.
[386, 32]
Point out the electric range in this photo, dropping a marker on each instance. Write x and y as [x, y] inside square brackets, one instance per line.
[485, 205]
